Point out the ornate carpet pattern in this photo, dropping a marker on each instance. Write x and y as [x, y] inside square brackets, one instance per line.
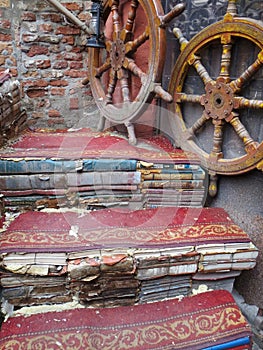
[85, 143]
[192, 323]
[162, 227]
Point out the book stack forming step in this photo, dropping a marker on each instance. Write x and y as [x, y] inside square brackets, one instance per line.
[113, 257]
[92, 170]
[12, 116]
[210, 320]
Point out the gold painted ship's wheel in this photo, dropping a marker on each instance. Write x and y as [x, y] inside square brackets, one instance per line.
[125, 76]
[216, 85]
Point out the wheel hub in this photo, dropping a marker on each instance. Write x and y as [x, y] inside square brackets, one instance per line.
[218, 100]
[117, 54]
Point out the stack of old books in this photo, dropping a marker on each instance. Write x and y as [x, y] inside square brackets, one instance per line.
[34, 184]
[118, 256]
[90, 170]
[12, 115]
[169, 184]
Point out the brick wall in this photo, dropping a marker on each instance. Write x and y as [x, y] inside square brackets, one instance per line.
[47, 54]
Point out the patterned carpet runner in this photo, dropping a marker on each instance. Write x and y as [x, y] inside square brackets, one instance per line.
[209, 320]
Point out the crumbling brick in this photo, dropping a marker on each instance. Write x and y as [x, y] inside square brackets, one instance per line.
[59, 83]
[58, 91]
[67, 30]
[28, 16]
[53, 113]
[60, 65]
[73, 73]
[37, 50]
[74, 103]
[36, 93]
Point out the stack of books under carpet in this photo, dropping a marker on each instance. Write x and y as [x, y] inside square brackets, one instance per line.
[172, 184]
[209, 320]
[12, 115]
[90, 170]
[119, 257]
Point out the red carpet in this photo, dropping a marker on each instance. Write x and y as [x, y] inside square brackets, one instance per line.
[85, 143]
[193, 323]
[42, 231]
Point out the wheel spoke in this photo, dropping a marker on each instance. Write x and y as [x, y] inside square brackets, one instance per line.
[123, 78]
[182, 40]
[237, 84]
[132, 46]
[132, 67]
[175, 11]
[241, 102]
[131, 19]
[106, 65]
[197, 125]
[226, 58]
[217, 140]
[111, 87]
[201, 70]
[232, 8]
[242, 132]
[194, 60]
[182, 97]
[115, 18]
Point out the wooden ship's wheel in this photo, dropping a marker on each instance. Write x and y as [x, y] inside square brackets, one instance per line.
[215, 95]
[123, 81]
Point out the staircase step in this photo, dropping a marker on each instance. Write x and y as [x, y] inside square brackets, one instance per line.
[119, 257]
[97, 170]
[209, 320]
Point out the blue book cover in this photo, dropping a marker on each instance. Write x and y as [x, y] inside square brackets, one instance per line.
[12, 166]
[9, 166]
[230, 345]
[60, 180]
[110, 165]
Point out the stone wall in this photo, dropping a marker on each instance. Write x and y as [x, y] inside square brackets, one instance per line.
[47, 54]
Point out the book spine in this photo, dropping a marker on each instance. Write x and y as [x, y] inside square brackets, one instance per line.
[181, 204]
[185, 184]
[62, 181]
[174, 176]
[8, 166]
[171, 192]
[107, 198]
[41, 192]
[57, 166]
[166, 166]
[110, 165]
[104, 178]
[80, 189]
[172, 199]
